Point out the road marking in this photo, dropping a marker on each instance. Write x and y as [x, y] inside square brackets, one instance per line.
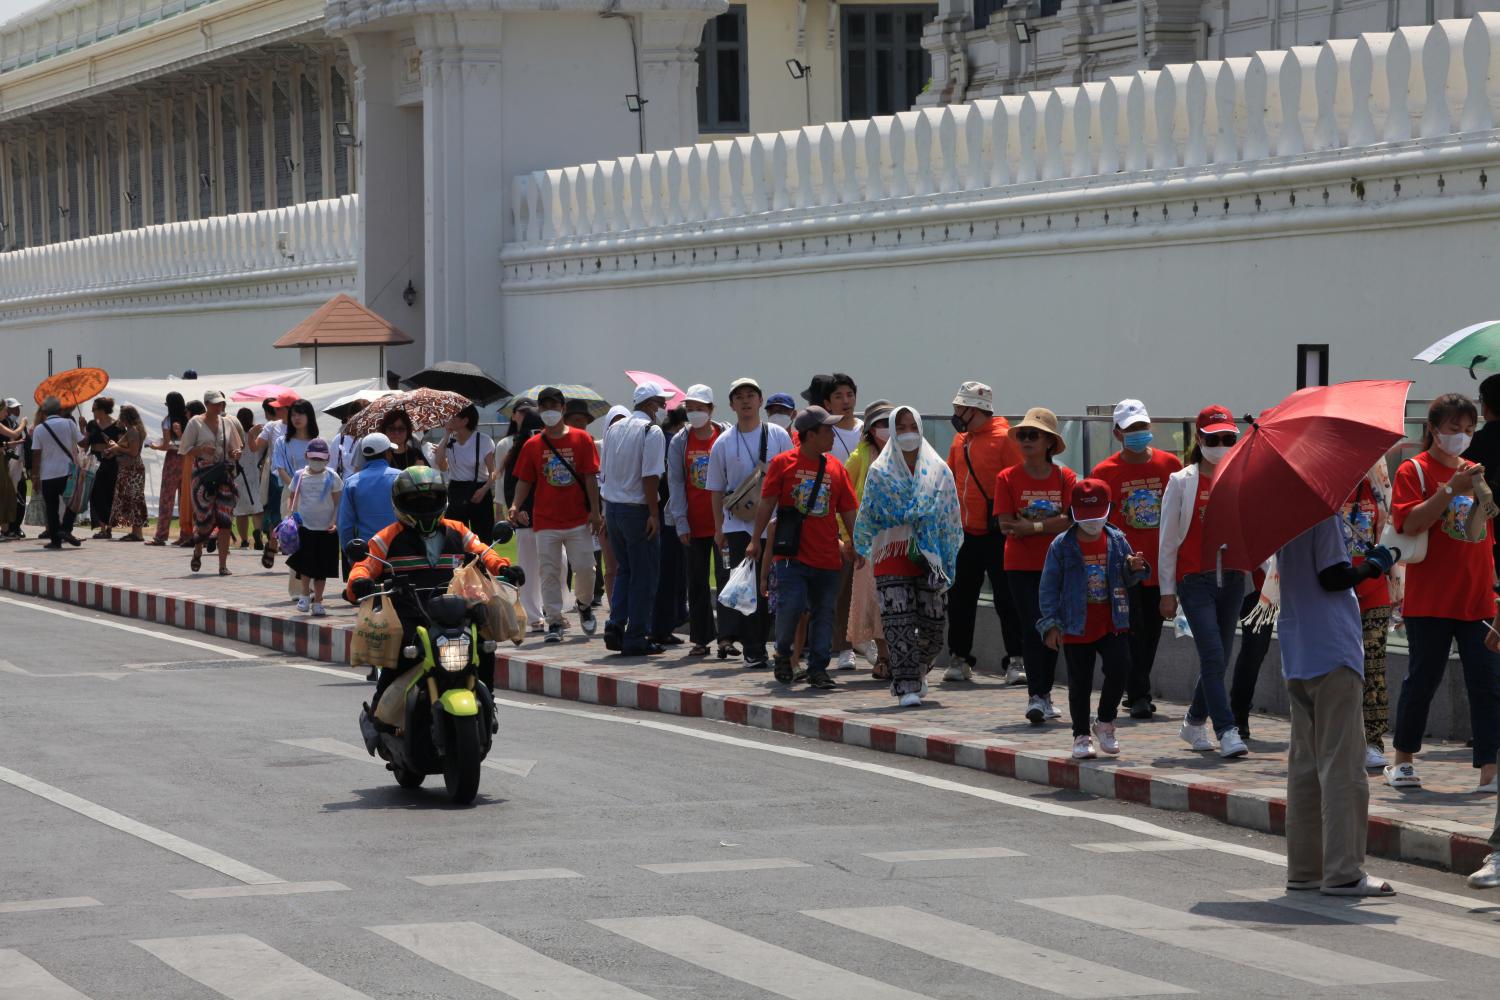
[273, 889]
[244, 968]
[1019, 961]
[341, 749]
[63, 903]
[23, 979]
[233, 654]
[475, 878]
[7, 667]
[1227, 941]
[761, 964]
[1385, 915]
[494, 960]
[150, 834]
[1132, 846]
[1130, 823]
[727, 865]
[950, 854]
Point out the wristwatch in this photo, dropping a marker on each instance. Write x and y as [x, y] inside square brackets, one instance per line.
[1036, 527]
[1448, 488]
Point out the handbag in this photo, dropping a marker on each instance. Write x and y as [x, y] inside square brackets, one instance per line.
[213, 476]
[1411, 548]
[788, 540]
[991, 519]
[288, 539]
[745, 498]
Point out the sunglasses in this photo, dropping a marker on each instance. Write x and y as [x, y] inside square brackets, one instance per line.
[1029, 434]
[1225, 440]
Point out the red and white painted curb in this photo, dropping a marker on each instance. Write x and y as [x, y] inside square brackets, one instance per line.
[1401, 840]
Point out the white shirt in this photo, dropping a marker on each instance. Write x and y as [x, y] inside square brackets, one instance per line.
[844, 442]
[633, 449]
[57, 455]
[317, 498]
[734, 457]
[466, 459]
[345, 454]
[272, 432]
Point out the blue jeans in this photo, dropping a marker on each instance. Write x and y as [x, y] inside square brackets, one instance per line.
[638, 563]
[1213, 612]
[1429, 640]
[799, 588]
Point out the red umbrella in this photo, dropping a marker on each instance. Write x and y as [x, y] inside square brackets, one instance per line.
[1297, 465]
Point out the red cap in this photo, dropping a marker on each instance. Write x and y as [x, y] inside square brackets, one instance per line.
[1090, 499]
[1216, 420]
[285, 400]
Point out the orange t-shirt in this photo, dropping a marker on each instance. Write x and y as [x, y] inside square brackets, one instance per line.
[991, 451]
[1019, 494]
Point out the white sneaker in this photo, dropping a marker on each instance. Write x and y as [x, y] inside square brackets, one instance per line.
[1015, 671]
[1490, 786]
[1230, 744]
[1036, 709]
[869, 651]
[912, 700]
[1083, 748]
[1374, 759]
[959, 670]
[846, 660]
[303, 604]
[1051, 709]
[1402, 776]
[1488, 875]
[1195, 736]
[319, 611]
[1104, 736]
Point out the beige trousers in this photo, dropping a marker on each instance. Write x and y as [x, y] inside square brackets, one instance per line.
[556, 550]
[1327, 791]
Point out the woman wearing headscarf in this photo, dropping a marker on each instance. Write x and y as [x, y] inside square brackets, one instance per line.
[909, 527]
[864, 605]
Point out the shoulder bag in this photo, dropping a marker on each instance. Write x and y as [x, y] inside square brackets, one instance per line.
[587, 505]
[991, 520]
[788, 540]
[1411, 548]
[745, 498]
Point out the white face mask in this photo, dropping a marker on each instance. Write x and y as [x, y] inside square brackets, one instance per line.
[697, 418]
[1092, 526]
[1453, 444]
[909, 441]
[881, 434]
[1215, 453]
[316, 465]
[659, 417]
[552, 417]
[782, 420]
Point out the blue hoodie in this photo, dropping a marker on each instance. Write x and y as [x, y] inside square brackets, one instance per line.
[365, 505]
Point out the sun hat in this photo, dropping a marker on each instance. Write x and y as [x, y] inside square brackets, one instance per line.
[647, 391]
[1129, 412]
[782, 399]
[740, 383]
[817, 389]
[814, 417]
[1042, 419]
[1216, 420]
[878, 410]
[213, 396]
[699, 394]
[977, 395]
[374, 444]
[1090, 499]
[318, 448]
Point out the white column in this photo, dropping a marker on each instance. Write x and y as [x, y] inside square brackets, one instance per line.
[194, 164]
[169, 161]
[295, 146]
[45, 235]
[669, 76]
[122, 164]
[242, 141]
[147, 200]
[268, 164]
[8, 205]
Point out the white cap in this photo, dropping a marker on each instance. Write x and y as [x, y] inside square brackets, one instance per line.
[647, 391]
[374, 444]
[698, 394]
[1130, 411]
[977, 395]
[12, 403]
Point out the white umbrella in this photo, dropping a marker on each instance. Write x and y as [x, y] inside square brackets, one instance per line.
[344, 406]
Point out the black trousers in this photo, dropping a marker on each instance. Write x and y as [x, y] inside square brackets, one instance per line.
[1114, 651]
[1041, 662]
[1255, 643]
[1145, 637]
[671, 586]
[982, 555]
[59, 526]
[21, 497]
[704, 564]
[748, 630]
[480, 517]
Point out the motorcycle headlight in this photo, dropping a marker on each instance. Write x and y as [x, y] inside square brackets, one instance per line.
[453, 654]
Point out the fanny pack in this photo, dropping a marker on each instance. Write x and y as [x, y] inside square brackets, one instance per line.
[745, 498]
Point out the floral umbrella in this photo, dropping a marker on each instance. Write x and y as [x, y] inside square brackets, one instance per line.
[74, 386]
[428, 408]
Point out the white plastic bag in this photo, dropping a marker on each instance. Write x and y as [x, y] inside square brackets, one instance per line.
[741, 593]
[1181, 626]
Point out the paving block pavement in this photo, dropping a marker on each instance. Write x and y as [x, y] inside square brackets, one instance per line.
[977, 724]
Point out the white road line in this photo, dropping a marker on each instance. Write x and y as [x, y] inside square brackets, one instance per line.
[1019, 961]
[726, 865]
[1130, 823]
[1227, 941]
[244, 968]
[950, 854]
[341, 749]
[150, 834]
[476, 878]
[274, 889]
[761, 964]
[494, 960]
[7, 667]
[1133, 846]
[233, 654]
[1481, 938]
[23, 979]
[62, 903]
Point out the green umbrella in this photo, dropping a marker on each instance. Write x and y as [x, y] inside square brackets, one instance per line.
[598, 405]
[1476, 346]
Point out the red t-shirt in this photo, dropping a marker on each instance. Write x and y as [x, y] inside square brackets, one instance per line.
[1136, 491]
[1457, 577]
[560, 500]
[1190, 552]
[1018, 494]
[1358, 519]
[1100, 620]
[695, 476]
[789, 479]
[901, 565]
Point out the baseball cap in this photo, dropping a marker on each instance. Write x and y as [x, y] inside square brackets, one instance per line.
[814, 417]
[317, 448]
[977, 395]
[285, 400]
[12, 403]
[1090, 499]
[551, 394]
[213, 396]
[1130, 411]
[1216, 420]
[740, 383]
[783, 399]
[699, 394]
[374, 444]
[647, 391]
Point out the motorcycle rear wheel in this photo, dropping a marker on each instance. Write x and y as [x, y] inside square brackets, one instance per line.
[461, 764]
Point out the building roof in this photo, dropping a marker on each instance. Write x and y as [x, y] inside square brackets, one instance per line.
[343, 322]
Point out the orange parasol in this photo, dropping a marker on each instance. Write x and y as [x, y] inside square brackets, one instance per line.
[74, 386]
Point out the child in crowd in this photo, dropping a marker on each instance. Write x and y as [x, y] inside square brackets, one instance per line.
[315, 500]
[1085, 607]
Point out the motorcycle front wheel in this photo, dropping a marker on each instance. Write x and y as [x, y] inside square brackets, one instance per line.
[461, 764]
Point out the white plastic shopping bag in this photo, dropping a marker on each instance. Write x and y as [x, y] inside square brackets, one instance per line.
[741, 592]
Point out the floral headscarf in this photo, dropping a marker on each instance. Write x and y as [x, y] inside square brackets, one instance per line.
[906, 509]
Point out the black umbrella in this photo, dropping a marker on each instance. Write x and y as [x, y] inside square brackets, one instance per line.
[460, 377]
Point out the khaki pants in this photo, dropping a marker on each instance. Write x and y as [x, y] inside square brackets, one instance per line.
[551, 546]
[1327, 791]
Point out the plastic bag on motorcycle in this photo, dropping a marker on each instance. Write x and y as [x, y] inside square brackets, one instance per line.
[377, 635]
[503, 618]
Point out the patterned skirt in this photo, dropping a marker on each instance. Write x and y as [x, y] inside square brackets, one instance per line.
[129, 509]
[213, 506]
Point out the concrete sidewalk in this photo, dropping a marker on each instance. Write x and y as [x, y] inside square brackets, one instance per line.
[978, 725]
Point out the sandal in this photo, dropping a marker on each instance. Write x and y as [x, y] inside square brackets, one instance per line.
[881, 670]
[728, 649]
[1366, 886]
[197, 561]
[224, 571]
[699, 649]
[157, 542]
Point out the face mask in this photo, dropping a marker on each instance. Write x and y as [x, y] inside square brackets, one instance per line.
[1215, 453]
[960, 422]
[782, 420]
[1453, 444]
[659, 417]
[1092, 526]
[881, 434]
[1137, 440]
[316, 465]
[910, 441]
[552, 417]
[697, 418]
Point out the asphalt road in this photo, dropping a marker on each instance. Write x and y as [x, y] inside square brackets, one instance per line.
[189, 818]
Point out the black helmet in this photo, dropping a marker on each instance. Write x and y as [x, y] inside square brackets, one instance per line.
[420, 498]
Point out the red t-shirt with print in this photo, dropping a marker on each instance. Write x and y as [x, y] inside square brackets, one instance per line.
[699, 501]
[1190, 552]
[1358, 519]
[1100, 620]
[560, 500]
[1135, 493]
[1019, 494]
[789, 479]
[1456, 579]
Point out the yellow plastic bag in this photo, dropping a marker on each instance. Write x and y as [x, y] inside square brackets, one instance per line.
[392, 706]
[377, 635]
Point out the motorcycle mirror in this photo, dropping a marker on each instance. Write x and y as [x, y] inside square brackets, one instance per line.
[504, 533]
[357, 550]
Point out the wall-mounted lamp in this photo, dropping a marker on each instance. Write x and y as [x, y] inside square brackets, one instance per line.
[409, 296]
[343, 134]
[205, 179]
[290, 164]
[282, 247]
[635, 103]
[797, 69]
[802, 71]
[130, 197]
[1023, 32]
